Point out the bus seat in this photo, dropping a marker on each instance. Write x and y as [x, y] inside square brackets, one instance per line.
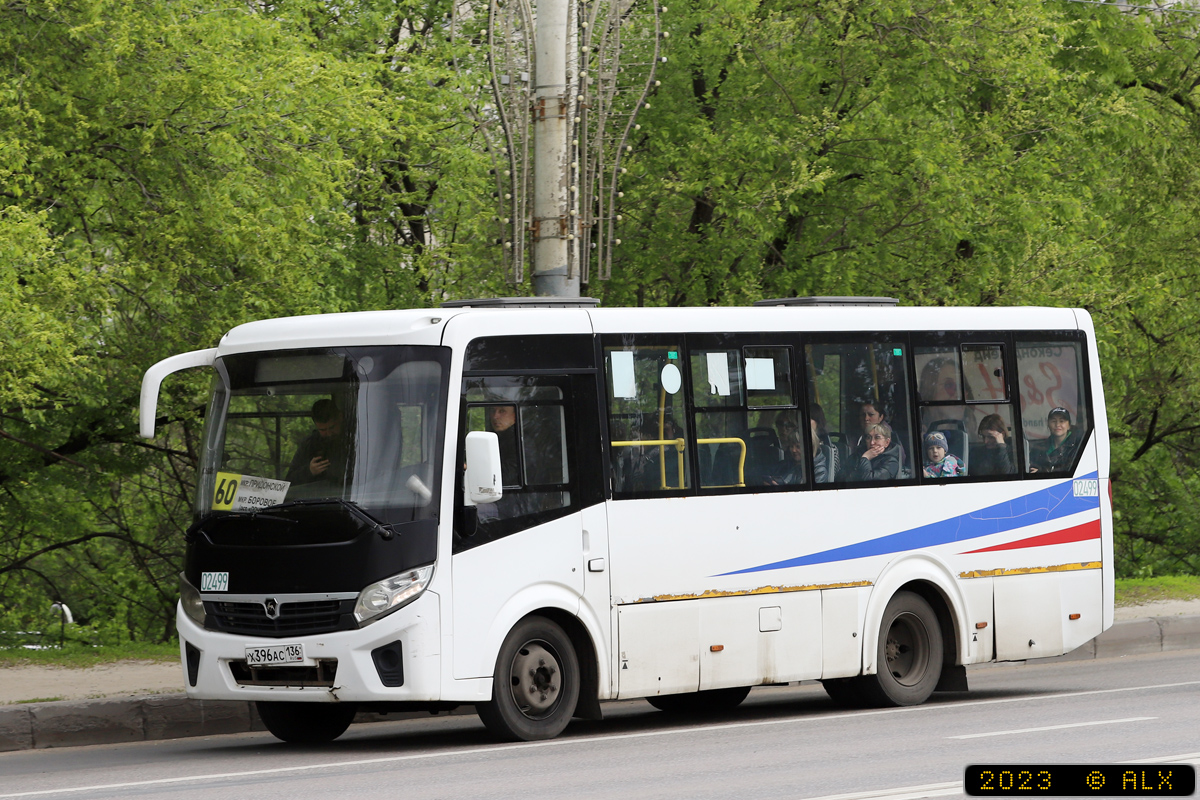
[726, 457]
[764, 455]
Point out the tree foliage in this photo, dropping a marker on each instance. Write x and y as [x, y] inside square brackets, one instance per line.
[169, 170]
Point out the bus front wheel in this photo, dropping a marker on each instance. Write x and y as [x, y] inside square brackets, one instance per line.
[908, 656]
[536, 684]
[306, 723]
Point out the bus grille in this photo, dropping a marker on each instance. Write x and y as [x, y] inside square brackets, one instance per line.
[323, 674]
[295, 619]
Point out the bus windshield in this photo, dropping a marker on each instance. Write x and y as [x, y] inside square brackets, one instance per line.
[357, 424]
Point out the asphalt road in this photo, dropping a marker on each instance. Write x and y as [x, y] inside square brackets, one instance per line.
[781, 743]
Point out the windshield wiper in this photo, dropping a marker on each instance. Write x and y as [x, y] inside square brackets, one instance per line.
[385, 531]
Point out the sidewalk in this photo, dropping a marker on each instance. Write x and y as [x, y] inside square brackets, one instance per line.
[141, 715]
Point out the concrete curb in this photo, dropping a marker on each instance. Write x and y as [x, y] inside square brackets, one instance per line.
[157, 717]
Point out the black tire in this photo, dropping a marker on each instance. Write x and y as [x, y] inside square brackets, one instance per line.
[306, 723]
[536, 684]
[908, 656]
[710, 701]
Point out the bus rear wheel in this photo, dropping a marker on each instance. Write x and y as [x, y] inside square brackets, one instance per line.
[536, 684]
[306, 723]
[708, 701]
[908, 656]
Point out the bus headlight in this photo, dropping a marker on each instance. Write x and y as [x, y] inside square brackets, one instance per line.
[390, 594]
[190, 602]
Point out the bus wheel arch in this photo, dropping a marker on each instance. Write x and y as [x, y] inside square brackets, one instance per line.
[931, 579]
[588, 706]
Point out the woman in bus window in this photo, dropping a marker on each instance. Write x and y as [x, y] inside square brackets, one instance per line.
[1059, 454]
[995, 458]
[881, 460]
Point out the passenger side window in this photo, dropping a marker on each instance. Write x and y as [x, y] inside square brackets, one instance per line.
[861, 391]
[745, 413]
[962, 392]
[1054, 408]
[647, 409]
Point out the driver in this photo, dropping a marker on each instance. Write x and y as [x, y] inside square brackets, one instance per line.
[322, 454]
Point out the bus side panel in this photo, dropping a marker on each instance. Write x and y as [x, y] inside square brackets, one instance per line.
[1023, 628]
[1080, 593]
[497, 583]
[658, 646]
[841, 647]
[773, 638]
[977, 594]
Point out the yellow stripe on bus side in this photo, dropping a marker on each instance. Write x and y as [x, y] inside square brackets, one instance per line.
[665, 598]
[995, 573]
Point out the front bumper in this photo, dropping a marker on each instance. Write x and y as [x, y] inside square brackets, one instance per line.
[357, 678]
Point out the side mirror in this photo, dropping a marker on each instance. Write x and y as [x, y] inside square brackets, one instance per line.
[482, 484]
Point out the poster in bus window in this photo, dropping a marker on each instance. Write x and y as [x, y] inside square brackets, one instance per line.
[1048, 375]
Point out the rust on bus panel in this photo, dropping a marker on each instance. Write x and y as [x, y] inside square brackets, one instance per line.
[995, 573]
[663, 598]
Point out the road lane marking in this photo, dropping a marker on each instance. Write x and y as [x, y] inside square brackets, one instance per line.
[903, 793]
[1051, 727]
[589, 740]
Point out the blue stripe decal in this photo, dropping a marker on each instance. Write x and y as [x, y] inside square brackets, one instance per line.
[1041, 506]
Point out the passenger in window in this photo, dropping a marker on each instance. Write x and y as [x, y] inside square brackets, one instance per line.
[502, 420]
[323, 453]
[1059, 454]
[881, 460]
[786, 426]
[793, 462]
[826, 466]
[939, 461]
[996, 457]
[869, 413]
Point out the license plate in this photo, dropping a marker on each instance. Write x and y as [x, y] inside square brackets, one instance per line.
[275, 655]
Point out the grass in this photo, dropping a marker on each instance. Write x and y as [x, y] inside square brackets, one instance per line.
[1138, 591]
[79, 656]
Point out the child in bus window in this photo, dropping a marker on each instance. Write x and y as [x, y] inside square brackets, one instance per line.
[939, 461]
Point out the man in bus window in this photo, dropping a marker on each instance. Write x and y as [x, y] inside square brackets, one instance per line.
[322, 454]
[502, 420]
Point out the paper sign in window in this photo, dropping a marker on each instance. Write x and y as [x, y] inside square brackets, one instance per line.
[624, 384]
[718, 374]
[760, 374]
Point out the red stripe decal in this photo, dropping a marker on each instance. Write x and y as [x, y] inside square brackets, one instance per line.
[1080, 533]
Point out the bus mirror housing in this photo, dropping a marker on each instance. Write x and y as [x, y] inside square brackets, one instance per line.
[154, 378]
[483, 484]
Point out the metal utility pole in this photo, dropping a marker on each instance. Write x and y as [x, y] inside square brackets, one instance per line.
[554, 231]
[566, 81]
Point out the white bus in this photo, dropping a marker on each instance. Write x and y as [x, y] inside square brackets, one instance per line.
[533, 506]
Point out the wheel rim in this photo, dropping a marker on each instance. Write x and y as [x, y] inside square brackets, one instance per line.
[535, 679]
[907, 649]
